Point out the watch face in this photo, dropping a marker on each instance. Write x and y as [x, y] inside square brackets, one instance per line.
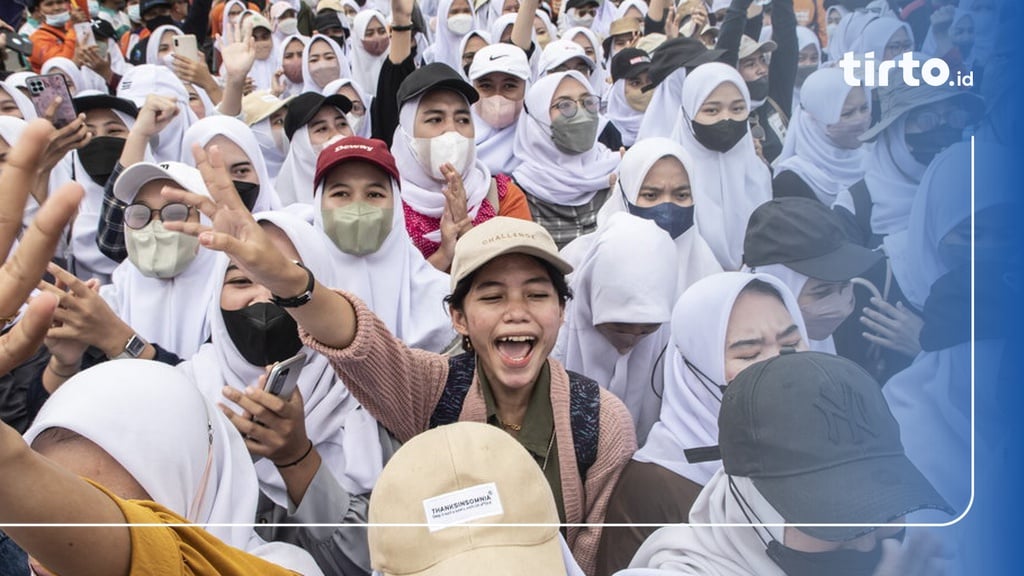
[135, 346]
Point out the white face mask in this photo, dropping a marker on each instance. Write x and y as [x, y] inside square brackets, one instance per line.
[823, 316]
[58, 20]
[133, 13]
[450, 147]
[584, 21]
[159, 253]
[288, 26]
[460, 24]
[355, 122]
[94, 7]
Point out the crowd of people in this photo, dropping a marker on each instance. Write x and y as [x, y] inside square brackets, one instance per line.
[545, 283]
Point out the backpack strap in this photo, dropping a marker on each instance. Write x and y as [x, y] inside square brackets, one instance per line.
[862, 206]
[584, 407]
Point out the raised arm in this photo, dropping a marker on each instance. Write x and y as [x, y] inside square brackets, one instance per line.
[239, 57]
[522, 29]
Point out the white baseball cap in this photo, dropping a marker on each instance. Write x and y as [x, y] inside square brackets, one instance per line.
[558, 52]
[500, 58]
[138, 175]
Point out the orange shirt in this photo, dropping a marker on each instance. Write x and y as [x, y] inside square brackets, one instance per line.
[217, 16]
[514, 204]
[51, 42]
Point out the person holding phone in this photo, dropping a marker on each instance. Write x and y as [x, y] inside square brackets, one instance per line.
[55, 35]
[317, 451]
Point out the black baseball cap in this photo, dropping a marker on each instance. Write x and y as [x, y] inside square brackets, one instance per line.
[327, 19]
[681, 52]
[104, 101]
[435, 75]
[580, 3]
[147, 5]
[816, 437]
[303, 107]
[629, 63]
[806, 236]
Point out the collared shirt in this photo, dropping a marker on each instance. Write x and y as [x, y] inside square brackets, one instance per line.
[538, 429]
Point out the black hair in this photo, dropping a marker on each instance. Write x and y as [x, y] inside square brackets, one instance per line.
[457, 299]
[762, 287]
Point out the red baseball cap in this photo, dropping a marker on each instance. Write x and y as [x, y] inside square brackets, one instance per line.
[355, 148]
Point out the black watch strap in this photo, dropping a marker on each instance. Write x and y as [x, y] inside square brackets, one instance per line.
[405, 28]
[301, 299]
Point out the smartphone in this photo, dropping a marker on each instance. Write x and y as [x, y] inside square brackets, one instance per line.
[17, 42]
[186, 47]
[83, 34]
[46, 88]
[284, 376]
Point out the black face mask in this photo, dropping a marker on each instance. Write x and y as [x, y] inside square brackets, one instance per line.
[248, 192]
[758, 89]
[925, 145]
[159, 21]
[669, 216]
[834, 563]
[99, 156]
[720, 136]
[263, 333]
[803, 72]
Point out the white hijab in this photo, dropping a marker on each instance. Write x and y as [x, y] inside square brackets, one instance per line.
[622, 115]
[892, 175]
[420, 191]
[796, 281]
[623, 278]
[695, 260]
[690, 402]
[662, 115]
[546, 172]
[365, 98]
[153, 46]
[365, 66]
[146, 79]
[877, 34]
[721, 545]
[73, 72]
[733, 183]
[262, 71]
[28, 110]
[403, 289]
[170, 312]
[179, 448]
[236, 131]
[279, 49]
[808, 151]
[599, 77]
[848, 33]
[498, 26]
[343, 432]
[344, 70]
[445, 48]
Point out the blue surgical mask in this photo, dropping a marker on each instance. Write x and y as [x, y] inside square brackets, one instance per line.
[58, 20]
[669, 216]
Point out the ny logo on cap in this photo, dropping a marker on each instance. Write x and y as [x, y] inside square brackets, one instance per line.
[844, 409]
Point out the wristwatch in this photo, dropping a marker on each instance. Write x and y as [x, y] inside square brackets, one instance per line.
[133, 349]
[301, 299]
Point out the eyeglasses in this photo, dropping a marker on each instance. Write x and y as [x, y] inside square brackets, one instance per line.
[138, 215]
[926, 120]
[568, 107]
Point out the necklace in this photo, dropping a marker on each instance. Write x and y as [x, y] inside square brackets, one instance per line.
[513, 427]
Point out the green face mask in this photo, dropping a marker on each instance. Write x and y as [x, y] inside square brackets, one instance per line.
[359, 228]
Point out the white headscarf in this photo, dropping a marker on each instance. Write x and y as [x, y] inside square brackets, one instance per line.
[365, 98]
[279, 49]
[146, 79]
[546, 172]
[877, 34]
[344, 70]
[892, 175]
[344, 434]
[236, 131]
[733, 183]
[365, 66]
[796, 281]
[498, 26]
[60, 64]
[294, 183]
[805, 37]
[89, 262]
[446, 43]
[808, 151]
[28, 110]
[696, 260]
[179, 448]
[420, 191]
[491, 11]
[718, 547]
[623, 278]
[153, 46]
[403, 289]
[622, 115]
[170, 312]
[663, 112]
[848, 33]
[262, 71]
[690, 403]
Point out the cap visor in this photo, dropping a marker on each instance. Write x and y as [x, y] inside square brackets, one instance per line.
[97, 101]
[544, 558]
[927, 97]
[460, 86]
[849, 261]
[875, 492]
[705, 57]
[137, 176]
[553, 259]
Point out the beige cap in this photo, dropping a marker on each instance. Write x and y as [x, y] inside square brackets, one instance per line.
[748, 46]
[650, 42]
[623, 26]
[450, 478]
[499, 236]
[259, 104]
